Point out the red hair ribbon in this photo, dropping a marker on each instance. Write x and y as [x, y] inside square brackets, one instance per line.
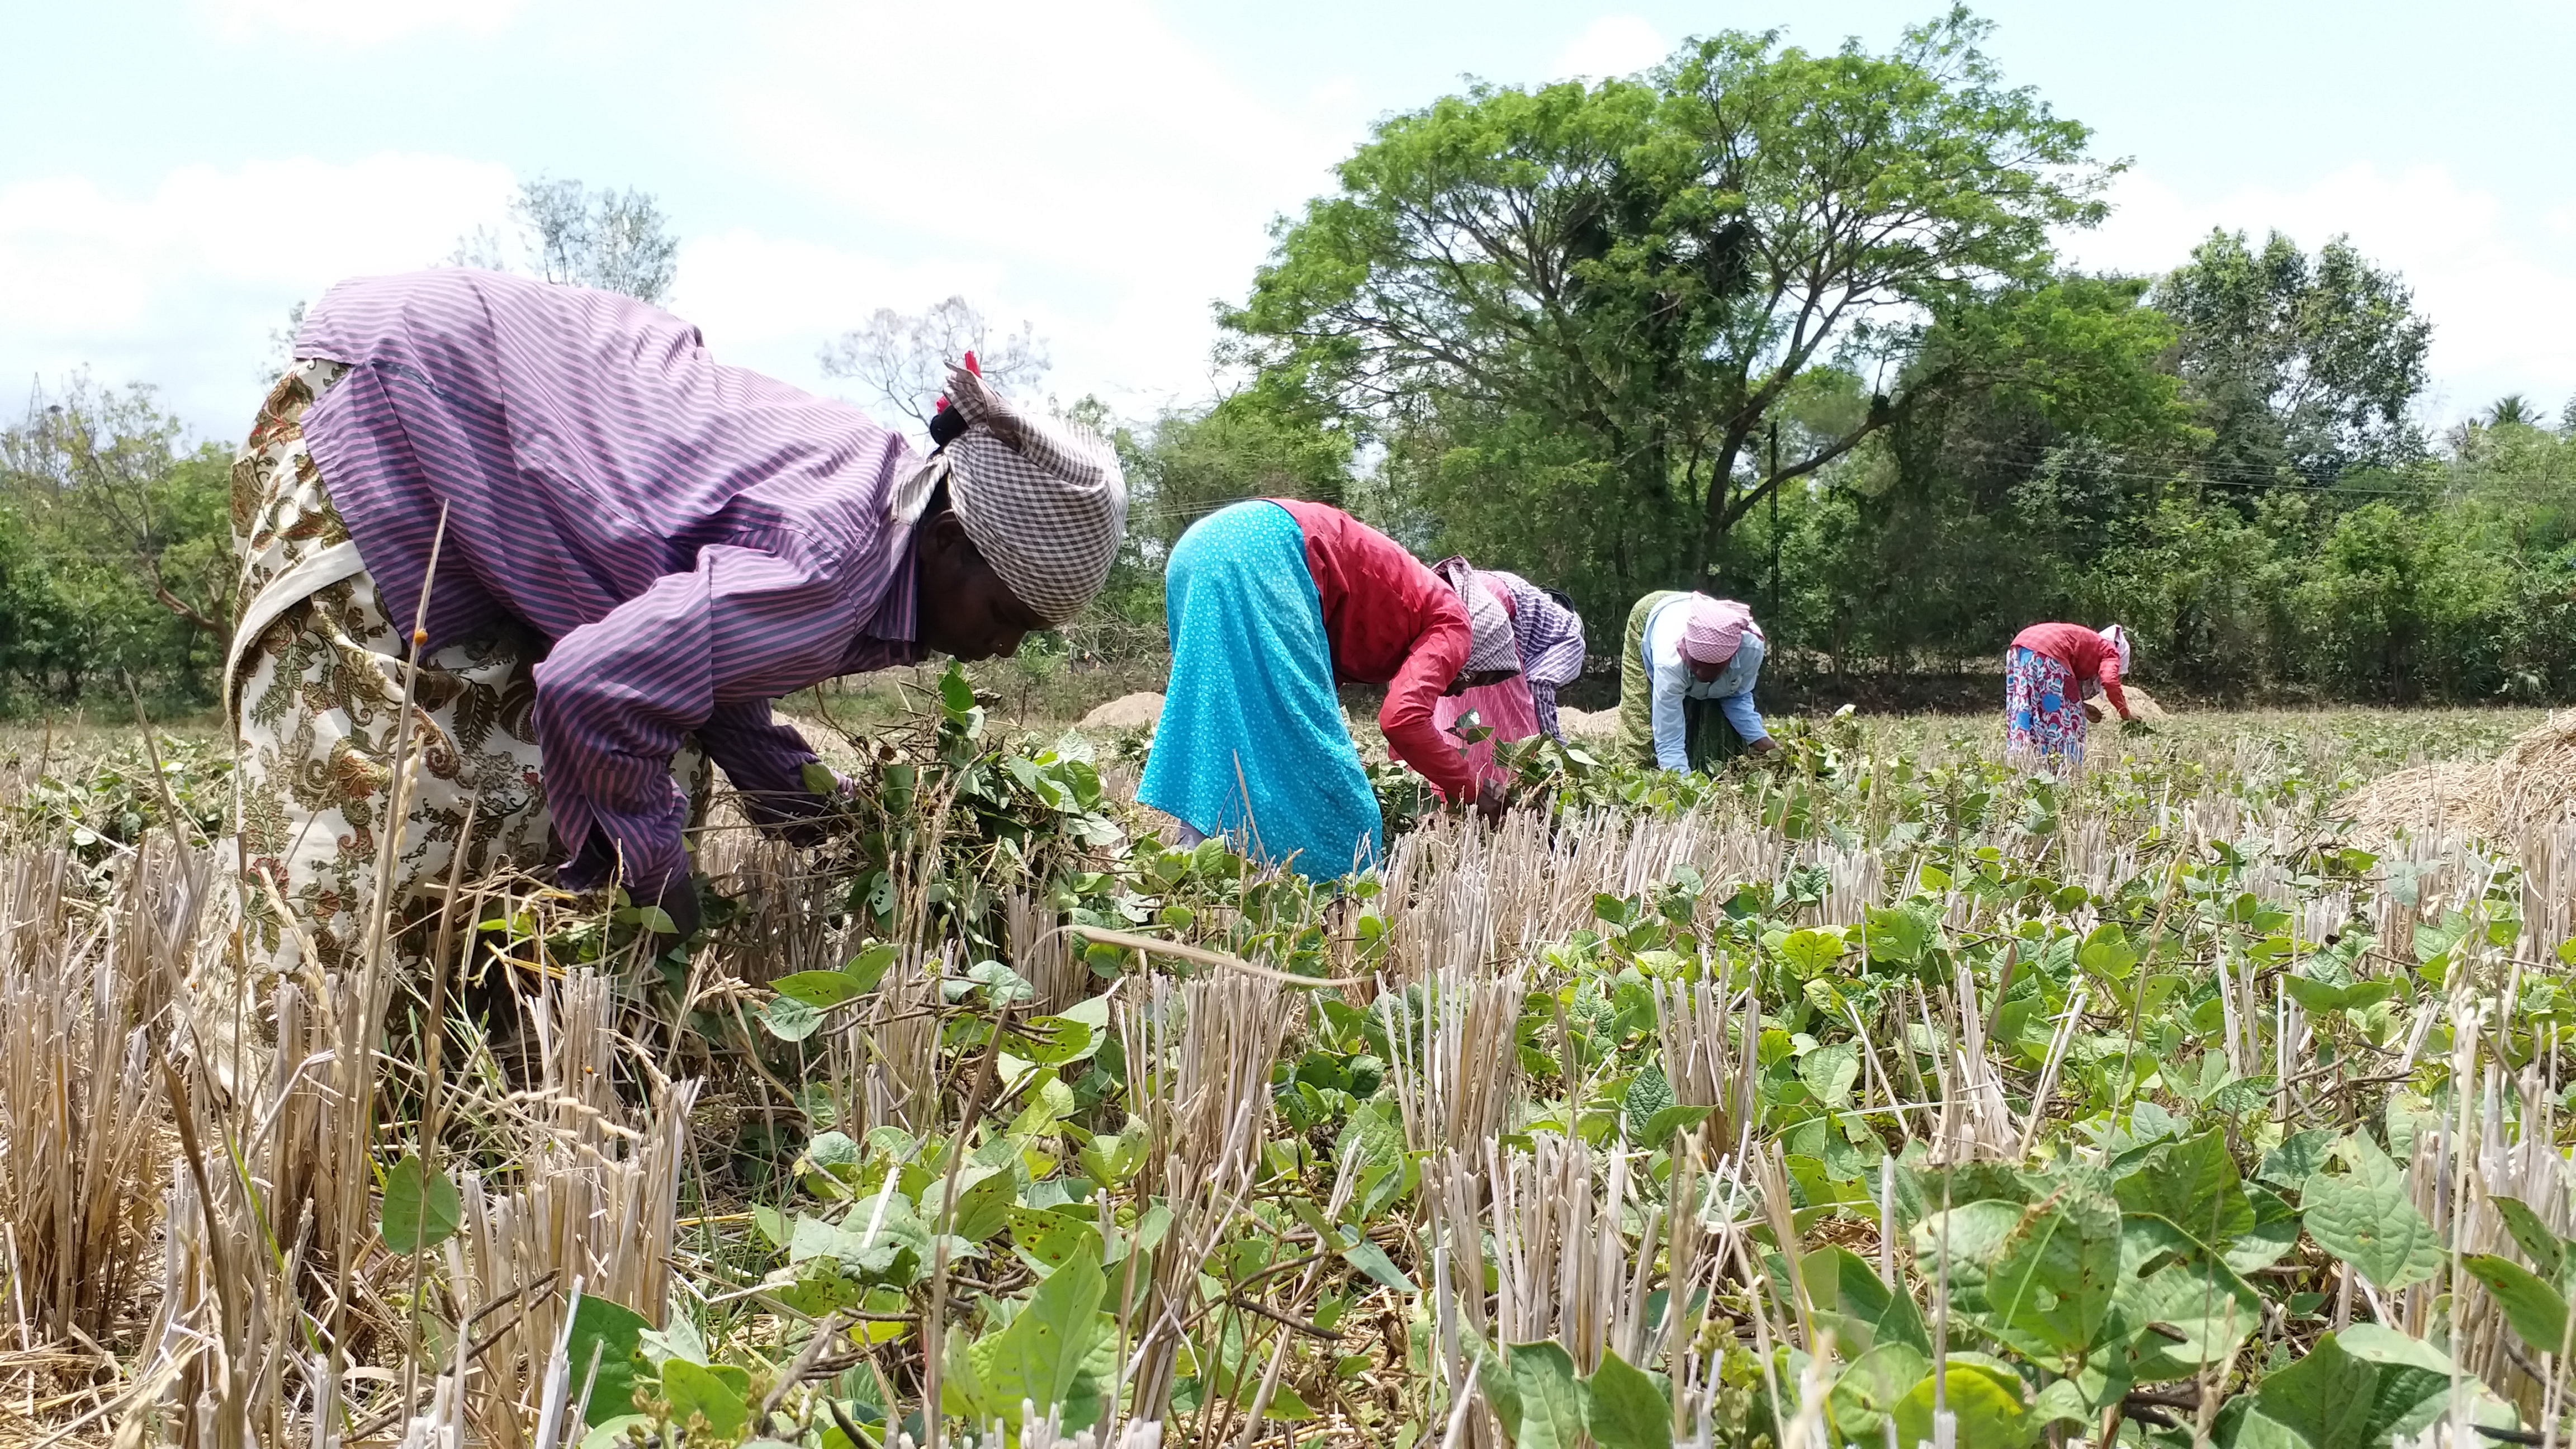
[942, 405]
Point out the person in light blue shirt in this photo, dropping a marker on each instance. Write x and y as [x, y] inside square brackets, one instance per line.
[1686, 680]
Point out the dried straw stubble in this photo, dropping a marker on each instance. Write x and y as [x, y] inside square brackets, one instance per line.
[2531, 785]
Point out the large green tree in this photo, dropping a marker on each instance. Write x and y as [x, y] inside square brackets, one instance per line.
[2305, 366]
[1617, 288]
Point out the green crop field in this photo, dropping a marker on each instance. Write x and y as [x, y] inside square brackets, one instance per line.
[1874, 1096]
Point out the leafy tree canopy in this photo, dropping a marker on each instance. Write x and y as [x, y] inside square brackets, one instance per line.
[2302, 365]
[1619, 286]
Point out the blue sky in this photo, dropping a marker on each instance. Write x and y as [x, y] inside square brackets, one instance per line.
[174, 175]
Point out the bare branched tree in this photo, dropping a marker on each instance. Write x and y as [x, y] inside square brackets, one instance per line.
[903, 359]
[616, 241]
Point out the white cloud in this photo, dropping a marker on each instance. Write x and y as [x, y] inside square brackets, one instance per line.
[1084, 157]
[356, 22]
[1613, 45]
[183, 285]
[2503, 309]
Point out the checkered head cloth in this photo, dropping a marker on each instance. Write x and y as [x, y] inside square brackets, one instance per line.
[1715, 629]
[1492, 648]
[1043, 500]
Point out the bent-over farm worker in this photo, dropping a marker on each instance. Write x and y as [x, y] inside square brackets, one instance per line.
[637, 550]
[1686, 672]
[1505, 708]
[2051, 673]
[1550, 635]
[1268, 603]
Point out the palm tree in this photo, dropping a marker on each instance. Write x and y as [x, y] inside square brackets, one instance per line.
[2514, 408]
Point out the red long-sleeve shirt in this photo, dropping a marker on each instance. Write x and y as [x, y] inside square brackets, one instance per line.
[1392, 622]
[2081, 650]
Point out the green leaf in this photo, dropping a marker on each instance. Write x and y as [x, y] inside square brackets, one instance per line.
[1865, 1393]
[614, 1432]
[820, 989]
[789, 1019]
[694, 1390]
[869, 966]
[1894, 933]
[1862, 1311]
[2193, 1184]
[1371, 1259]
[1830, 1072]
[1985, 1397]
[1050, 1240]
[2190, 1312]
[2353, 1390]
[2546, 1249]
[1550, 1398]
[1664, 1125]
[1811, 951]
[1053, 1041]
[985, 1197]
[421, 1210]
[2107, 952]
[2274, 1234]
[656, 920]
[2299, 1155]
[1648, 1094]
[2050, 1282]
[2537, 1311]
[1622, 1408]
[613, 1331]
[1046, 1354]
[955, 693]
[2366, 1217]
[819, 779]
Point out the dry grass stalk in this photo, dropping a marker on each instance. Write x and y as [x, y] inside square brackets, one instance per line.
[594, 1207]
[1199, 1055]
[1456, 1065]
[1042, 955]
[1564, 1265]
[1693, 1020]
[80, 1126]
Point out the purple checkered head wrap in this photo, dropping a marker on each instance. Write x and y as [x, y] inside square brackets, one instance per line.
[1492, 649]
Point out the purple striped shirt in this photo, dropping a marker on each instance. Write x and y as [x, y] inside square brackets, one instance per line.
[692, 540]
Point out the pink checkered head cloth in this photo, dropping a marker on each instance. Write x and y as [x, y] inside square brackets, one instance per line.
[1715, 629]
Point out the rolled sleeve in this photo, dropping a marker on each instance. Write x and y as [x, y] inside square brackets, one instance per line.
[698, 652]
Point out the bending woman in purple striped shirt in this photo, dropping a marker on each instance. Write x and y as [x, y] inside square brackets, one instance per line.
[642, 548]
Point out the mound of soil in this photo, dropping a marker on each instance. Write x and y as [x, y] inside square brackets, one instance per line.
[2532, 783]
[1588, 724]
[1127, 712]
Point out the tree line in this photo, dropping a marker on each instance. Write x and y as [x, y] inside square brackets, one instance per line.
[1792, 327]
[1787, 325]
